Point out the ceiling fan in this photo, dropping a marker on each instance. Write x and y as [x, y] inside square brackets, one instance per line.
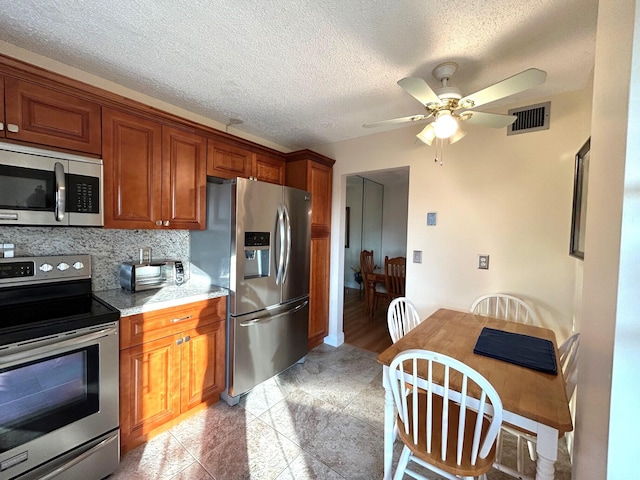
[447, 108]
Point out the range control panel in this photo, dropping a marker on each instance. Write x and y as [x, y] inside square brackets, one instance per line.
[43, 269]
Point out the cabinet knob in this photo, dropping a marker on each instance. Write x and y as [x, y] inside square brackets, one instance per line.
[187, 338]
[1, 126]
[159, 223]
[179, 341]
[13, 128]
[166, 223]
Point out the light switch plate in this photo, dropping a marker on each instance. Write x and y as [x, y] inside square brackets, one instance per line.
[417, 256]
[432, 218]
[483, 262]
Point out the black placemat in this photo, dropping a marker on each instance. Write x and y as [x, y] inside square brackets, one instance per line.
[524, 350]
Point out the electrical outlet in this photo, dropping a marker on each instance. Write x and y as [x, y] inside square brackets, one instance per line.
[417, 256]
[483, 262]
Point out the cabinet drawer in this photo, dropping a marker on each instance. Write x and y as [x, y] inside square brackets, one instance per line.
[147, 326]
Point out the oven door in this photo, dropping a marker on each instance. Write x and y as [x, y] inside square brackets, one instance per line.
[56, 395]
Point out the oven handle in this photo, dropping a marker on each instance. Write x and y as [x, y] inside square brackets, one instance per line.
[83, 456]
[56, 345]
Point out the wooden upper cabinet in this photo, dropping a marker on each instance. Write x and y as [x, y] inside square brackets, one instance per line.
[131, 152]
[154, 175]
[36, 114]
[228, 160]
[184, 163]
[268, 168]
[313, 172]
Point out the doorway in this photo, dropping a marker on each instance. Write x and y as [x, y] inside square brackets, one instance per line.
[376, 219]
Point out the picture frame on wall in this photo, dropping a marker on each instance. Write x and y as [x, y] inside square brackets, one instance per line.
[579, 211]
[347, 227]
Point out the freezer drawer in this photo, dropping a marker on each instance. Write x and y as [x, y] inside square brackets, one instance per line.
[265, 343]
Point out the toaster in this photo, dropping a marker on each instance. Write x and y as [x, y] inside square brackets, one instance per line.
[154, 274]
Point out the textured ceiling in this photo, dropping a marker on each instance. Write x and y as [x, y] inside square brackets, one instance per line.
[307, 72]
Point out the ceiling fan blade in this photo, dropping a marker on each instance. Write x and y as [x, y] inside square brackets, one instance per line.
[419, 89]
[393, 121]
[493, 120]
[518, 83]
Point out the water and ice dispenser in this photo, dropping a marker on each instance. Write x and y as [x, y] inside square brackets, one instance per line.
[256, 254]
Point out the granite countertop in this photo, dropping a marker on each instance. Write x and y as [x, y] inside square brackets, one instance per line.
[130, 303]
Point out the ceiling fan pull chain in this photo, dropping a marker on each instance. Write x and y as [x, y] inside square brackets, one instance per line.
[440, 145]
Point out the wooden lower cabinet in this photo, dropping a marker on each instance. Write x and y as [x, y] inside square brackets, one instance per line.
[166, 379]
[319, 291]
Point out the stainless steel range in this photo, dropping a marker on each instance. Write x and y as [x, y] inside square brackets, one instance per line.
[58, 371]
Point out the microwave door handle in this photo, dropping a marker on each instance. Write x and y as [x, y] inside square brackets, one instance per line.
[61, 191]
[287, 220]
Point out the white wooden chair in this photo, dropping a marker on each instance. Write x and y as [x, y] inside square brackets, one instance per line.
[402, 317]
[442, 429]
[568, 352]
[505, 307]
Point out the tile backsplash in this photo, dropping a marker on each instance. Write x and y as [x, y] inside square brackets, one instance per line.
[107, 247]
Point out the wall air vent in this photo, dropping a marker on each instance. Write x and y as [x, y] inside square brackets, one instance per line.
[530, 119]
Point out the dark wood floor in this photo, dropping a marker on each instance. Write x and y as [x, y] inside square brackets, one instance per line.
[358, 330]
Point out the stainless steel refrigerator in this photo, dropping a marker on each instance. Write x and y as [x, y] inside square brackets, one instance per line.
[257, 244]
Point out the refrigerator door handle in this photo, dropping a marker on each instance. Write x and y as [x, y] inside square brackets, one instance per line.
[253, 321]
[280, 234]
[287, 220]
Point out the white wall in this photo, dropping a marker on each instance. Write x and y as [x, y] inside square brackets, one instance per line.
[607, 416]
[509, 197]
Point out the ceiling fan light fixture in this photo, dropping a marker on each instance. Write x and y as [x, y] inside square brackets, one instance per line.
[457, 136]
[445, 124]
[427, 135]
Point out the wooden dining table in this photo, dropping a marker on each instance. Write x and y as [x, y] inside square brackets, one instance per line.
[372, 279]
[532, 400]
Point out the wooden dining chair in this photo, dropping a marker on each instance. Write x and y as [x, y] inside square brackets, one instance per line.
[367, 265]
[505, 307]
[395, 273]
[568, 353]
[442, 428]
[402, 317]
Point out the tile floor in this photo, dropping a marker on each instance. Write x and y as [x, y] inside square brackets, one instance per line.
[319, 420]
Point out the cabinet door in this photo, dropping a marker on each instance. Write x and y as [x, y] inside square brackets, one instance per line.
[228, 161]
[267, 168]
[49, 117]
[132, 156]
[184, 181]
[203, 361]
[319, 184]
[149, 386]
[319, 290]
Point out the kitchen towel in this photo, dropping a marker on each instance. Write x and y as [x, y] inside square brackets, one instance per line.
[524, 350]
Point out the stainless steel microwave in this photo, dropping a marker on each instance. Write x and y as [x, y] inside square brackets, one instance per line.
[42, 187]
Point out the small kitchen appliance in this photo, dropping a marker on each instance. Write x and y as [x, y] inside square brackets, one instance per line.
[42, 187]
[135, 277]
